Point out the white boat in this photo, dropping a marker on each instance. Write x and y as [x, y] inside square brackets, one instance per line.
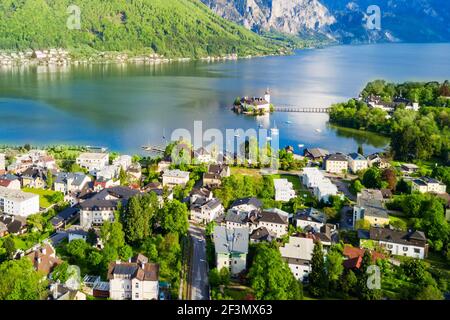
[301, 146]
[318, 130]
[237, 135]
[288, 122]
[269, 139]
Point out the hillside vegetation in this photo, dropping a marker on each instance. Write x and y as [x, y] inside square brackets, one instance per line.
[174, 28]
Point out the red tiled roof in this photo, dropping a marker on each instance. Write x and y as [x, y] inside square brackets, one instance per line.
[354, 256]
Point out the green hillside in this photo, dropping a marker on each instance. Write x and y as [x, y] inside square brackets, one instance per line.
[174, 28]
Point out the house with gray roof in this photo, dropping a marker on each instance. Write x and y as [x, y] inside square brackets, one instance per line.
[247, 204]
[298, 254]
[68, 182]
[231, 246]
[357, 162]
[101, 206]
[206, 210]
[410, 243]
[370, 206]
[137, 279]
[310, 217]
[336, 163]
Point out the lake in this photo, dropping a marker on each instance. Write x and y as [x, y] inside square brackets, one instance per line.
[125, 106]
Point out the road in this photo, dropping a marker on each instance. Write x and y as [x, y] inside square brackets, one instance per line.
[198, 273]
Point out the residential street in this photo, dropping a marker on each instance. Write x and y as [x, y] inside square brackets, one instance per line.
[198, 273]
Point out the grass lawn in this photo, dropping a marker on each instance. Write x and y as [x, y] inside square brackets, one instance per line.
[405, 221]
[294, 179]
[45, 196]
[246, 172]
[237, 293]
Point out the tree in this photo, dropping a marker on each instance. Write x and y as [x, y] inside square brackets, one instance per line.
[19, 281]
[123, 177]
[360, 150]
[403, 187]
[334, 267]
[356, 186]
[112, 234]
[389, 176]
[10, 247]
[214, 278]
[372, 178]
[77, 249]
[135, 223]
[173, 217]
[365, 292]
[91, 237]
[125, 252]
[318, 278]
[415, 270]
[225, 276]
[270, 276]
[60, 272]
[49, 179]
[430, 293]
[348, 283]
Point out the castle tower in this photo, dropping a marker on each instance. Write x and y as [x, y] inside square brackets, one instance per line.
[267, 95]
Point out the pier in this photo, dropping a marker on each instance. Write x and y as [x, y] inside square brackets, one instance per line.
[150, 148]
[291, 108]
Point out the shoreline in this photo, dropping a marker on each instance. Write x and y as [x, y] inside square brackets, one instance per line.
[58, 57]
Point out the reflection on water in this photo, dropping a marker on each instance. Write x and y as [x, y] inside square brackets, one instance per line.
[126, 106]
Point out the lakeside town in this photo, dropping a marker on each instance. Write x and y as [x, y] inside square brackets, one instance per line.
[86, 223]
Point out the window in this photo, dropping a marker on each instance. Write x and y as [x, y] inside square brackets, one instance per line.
[389, 246]
[235, 262]
[137, 285]
[136, 295]
[416, 250]
[405, 248]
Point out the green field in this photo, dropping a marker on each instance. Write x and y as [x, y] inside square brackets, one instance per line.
[46, 197]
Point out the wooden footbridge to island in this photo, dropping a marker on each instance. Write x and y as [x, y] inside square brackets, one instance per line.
[292, 108]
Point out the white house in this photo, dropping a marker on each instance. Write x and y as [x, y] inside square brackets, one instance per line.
[202, 155]
[426, 184]
[322, 187]
[336, 163]
[2, 163]
[93, 161]
[311, 218]
[298, 254]
[134, 280]
[10, 181]
[409, 244]
[172, 178]
[205, 211]
[246, 204]
[370, 207]
[231, 246]
[108, 172]
[123, 161]
[70, 182]
[17, 202]
[284, 190]
[357, 162]
[101, 207]
[274, 222]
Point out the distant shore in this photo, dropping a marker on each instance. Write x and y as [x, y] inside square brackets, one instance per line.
[64, 57]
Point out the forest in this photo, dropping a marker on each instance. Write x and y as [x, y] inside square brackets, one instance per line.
[173, 28]
[421, 135]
